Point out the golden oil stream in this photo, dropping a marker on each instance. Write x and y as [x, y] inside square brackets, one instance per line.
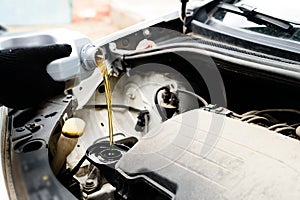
[103, 69]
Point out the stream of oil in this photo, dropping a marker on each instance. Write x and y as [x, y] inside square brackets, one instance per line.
[103, 69]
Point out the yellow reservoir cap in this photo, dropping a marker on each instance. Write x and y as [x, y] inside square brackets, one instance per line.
[73, 128]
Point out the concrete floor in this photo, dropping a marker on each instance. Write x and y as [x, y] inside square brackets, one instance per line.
[92, 29]
[98, 18]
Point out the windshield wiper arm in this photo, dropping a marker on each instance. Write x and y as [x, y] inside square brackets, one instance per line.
[256, 17]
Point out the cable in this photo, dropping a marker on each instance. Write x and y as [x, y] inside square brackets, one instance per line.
[247, 117]
[275, 126]
[282, 128]
[252, 112]
[236, 115]
[279, 130]
[195, 95]
[162, 115]
[257, 118]
[278, 110]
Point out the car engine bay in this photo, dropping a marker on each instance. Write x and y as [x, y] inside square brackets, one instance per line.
[193, 118]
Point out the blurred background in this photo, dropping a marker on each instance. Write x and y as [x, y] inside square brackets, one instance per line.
[94, 18]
